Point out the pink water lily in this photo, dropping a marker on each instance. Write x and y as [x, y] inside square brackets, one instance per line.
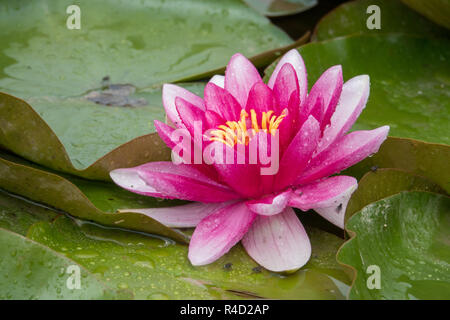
[234, 202]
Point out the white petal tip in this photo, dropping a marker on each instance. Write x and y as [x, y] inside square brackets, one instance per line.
[218, 80]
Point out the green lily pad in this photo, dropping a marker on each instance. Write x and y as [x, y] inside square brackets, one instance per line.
[154, 268]
[32, 271]
[81, 122]
[406, 237]
[428, 160]
[91, 200]
[435, 10]
[381, 183]
[277, 8]
[351, 18]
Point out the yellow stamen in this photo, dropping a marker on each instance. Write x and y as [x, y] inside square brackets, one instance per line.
[233, 132]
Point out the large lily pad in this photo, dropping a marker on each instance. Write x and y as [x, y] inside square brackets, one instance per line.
[406, 237]
[435, 10]
[351, 18]
[138, 44]
[33, 271]
[91, 200]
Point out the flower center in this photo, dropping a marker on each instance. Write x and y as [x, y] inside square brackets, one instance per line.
[233, 132]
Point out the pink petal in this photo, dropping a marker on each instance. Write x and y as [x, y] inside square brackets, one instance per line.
[290, 124]
[298, 153]
[279, 242]
[222, 102]
[329, 197]
[270, 205]
[167, 180]
[328, 87]
[185, 216]
[293, 57]
[190, 115]
[218, 80]
[268, 162]
[355, 93]
[169, 93]
[130, 180]
[181, 137]
[216, 234]
[213, 119]
[261, 99]
[285, 85]
[318, 110]
[165, 133]
[347, 151]
[232, 171]
[240, 76]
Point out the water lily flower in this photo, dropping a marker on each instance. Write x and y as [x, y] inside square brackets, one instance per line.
[235, 202]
